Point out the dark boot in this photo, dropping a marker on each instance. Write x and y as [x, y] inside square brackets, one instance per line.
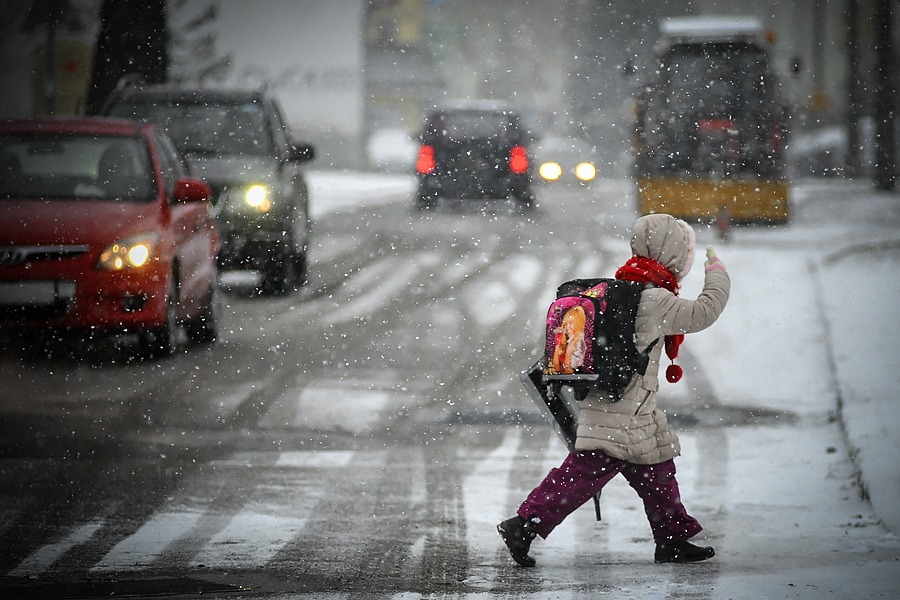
[518, 534]
[681, 552]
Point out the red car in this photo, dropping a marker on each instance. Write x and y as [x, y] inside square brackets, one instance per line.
[101, 229]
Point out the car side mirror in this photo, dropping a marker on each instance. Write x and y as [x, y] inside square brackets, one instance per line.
[192, 190]
[301, 152]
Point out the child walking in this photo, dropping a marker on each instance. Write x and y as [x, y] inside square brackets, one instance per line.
[631, 436]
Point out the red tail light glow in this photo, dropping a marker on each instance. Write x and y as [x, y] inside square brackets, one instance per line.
[711, 125]
[425, 163]
[518, 160]
[777, 138]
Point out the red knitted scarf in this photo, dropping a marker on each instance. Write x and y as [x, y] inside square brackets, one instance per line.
[646, 270]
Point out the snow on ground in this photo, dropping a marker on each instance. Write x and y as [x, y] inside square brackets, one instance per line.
[816, 320]
[345, 190]
[863, 289]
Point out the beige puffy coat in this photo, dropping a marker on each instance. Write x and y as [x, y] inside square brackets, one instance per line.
[634, 429]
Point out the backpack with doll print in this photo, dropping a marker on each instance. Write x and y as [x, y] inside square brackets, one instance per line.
[590, 337]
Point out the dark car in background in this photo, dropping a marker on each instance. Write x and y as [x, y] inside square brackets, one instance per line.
[102, 230]
[239, 142]
[474, 150]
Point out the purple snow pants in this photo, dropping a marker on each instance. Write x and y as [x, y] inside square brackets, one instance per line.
[583, 474]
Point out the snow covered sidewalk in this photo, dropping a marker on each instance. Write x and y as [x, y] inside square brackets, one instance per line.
[860, 293]
[818, 319]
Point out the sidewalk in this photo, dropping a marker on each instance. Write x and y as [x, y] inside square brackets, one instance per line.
[860, 296]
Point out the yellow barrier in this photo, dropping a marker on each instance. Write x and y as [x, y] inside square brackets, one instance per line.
[701, 199]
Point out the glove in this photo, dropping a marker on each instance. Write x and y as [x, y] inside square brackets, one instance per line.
[713, 261]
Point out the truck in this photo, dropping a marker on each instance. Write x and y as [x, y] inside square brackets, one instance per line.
[710, 130]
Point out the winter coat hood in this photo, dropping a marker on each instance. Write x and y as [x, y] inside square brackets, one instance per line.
[665, 239]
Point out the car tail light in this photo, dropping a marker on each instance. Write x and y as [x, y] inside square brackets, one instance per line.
[715, 125]
[722, 131]
[425, 163]
[518, 160]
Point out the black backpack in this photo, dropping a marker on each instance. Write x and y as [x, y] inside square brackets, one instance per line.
[590, 337]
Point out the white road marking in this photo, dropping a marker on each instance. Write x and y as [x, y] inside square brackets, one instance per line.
[335, 407]
[43, 558]
[497, 296]
[141, 549]
[317, 459]
[250, 540]
[482, 493]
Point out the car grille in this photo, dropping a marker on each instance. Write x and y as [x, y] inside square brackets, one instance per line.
[15, 255]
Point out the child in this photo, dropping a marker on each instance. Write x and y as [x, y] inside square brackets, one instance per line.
[631, 436]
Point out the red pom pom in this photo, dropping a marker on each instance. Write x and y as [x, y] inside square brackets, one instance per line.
[674, 373]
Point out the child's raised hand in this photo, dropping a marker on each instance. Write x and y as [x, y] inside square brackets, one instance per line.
[712, 261]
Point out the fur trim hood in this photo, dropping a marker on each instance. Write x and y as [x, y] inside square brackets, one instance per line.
[665, 239]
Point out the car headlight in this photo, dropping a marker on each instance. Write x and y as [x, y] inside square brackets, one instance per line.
[585, 171]
[551, 171]
[253, 199]
[132, 252]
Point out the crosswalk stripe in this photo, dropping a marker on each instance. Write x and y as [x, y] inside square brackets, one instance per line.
[250, 539]
[327, 408]
[139, 550]
[371, 289]
[323, 459]
[483, 491]
[254, 536]
[494, 299]
[44, 557]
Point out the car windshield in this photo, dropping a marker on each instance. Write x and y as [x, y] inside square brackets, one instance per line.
[714, 78]
[74, 167]
[216, 129]
[465, 125]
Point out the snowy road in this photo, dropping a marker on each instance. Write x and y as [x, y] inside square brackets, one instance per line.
[360, 438]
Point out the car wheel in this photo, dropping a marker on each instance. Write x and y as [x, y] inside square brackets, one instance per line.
[425, 201]
[301, 267]
[161, 341]
[526, 200]
[204, 328]
[279, 273]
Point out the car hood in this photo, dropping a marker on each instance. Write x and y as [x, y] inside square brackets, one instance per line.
[91, 222]
[222, 170]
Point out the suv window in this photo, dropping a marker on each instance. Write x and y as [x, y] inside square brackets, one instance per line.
[465, 125]
[205, 128]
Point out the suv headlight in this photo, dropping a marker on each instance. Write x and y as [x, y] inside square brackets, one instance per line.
[248, 200]
[132, 252]
[585, 171]
[551, 171]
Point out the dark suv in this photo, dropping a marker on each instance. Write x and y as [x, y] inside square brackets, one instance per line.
[240, 144]
[474, 150]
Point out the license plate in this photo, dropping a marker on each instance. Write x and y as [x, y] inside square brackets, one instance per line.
[35, 293]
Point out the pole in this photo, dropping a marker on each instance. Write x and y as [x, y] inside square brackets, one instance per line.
[854, 105]
[885, 109]
[50, 64]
